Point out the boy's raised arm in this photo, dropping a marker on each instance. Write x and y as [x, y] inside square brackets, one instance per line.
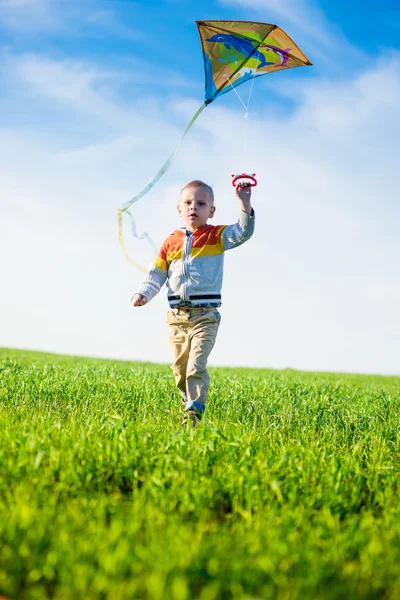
[240, 232]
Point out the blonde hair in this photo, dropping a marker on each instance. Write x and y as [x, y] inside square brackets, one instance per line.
[196, 183]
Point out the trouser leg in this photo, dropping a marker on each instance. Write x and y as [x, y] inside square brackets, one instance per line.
[192, 335]
[202, 341]
[180, 345]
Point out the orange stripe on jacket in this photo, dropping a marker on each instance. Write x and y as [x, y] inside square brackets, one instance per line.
[207, 242]
[209, 236]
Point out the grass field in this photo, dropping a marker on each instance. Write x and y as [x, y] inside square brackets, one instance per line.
[289, 489]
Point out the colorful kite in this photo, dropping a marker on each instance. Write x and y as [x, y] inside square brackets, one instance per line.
[234, 52]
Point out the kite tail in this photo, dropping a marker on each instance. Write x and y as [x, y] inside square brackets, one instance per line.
[146, 189]
[143, 236]
[121, 241]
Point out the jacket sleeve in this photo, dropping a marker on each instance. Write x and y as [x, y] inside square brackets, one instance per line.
[156, 276]
[235, 235]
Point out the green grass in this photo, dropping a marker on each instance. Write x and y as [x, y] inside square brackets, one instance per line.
[289, 489]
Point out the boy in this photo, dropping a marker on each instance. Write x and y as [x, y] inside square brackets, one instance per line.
[191, 262]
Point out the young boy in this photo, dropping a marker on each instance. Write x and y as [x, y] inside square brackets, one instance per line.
[191, 262]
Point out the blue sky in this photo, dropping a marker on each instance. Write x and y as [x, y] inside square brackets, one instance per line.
[154, 46]
[93, 98]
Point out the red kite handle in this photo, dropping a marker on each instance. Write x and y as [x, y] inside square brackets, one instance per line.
[252, 178]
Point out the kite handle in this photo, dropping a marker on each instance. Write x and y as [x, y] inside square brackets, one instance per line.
[252, 179]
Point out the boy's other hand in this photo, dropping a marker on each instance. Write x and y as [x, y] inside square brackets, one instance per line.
[139, 300]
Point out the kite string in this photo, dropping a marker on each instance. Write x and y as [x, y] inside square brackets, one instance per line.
[234, 89]
[246, 106]
[150, 184]
[165, 166]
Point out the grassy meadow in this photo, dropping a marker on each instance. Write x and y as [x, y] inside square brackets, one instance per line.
[289, 488]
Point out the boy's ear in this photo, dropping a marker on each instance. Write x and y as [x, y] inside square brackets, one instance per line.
[178, 208]
[212, 211]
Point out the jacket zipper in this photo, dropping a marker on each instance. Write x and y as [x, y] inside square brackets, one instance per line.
[186, 268]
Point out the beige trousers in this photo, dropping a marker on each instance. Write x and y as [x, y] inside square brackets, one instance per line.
[192, 333]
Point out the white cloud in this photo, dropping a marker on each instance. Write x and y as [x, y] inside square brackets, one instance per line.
[79, 85]
[92, 18]
[316, 288]
[82, 86]
[30, 15]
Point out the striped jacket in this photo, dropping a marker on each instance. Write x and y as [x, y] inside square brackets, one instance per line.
[192, 263]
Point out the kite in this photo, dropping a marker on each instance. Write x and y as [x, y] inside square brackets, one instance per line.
[234, 52]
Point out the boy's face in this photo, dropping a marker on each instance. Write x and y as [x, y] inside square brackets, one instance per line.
[195, 207]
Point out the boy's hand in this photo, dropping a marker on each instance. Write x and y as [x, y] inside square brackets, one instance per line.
[243, 192]
[139, 300]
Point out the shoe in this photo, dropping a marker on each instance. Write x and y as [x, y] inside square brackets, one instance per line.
[191, 417]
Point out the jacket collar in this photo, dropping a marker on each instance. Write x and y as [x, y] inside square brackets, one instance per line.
[197, 231]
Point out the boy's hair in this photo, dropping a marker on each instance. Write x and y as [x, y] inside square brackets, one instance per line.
[196, 183]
